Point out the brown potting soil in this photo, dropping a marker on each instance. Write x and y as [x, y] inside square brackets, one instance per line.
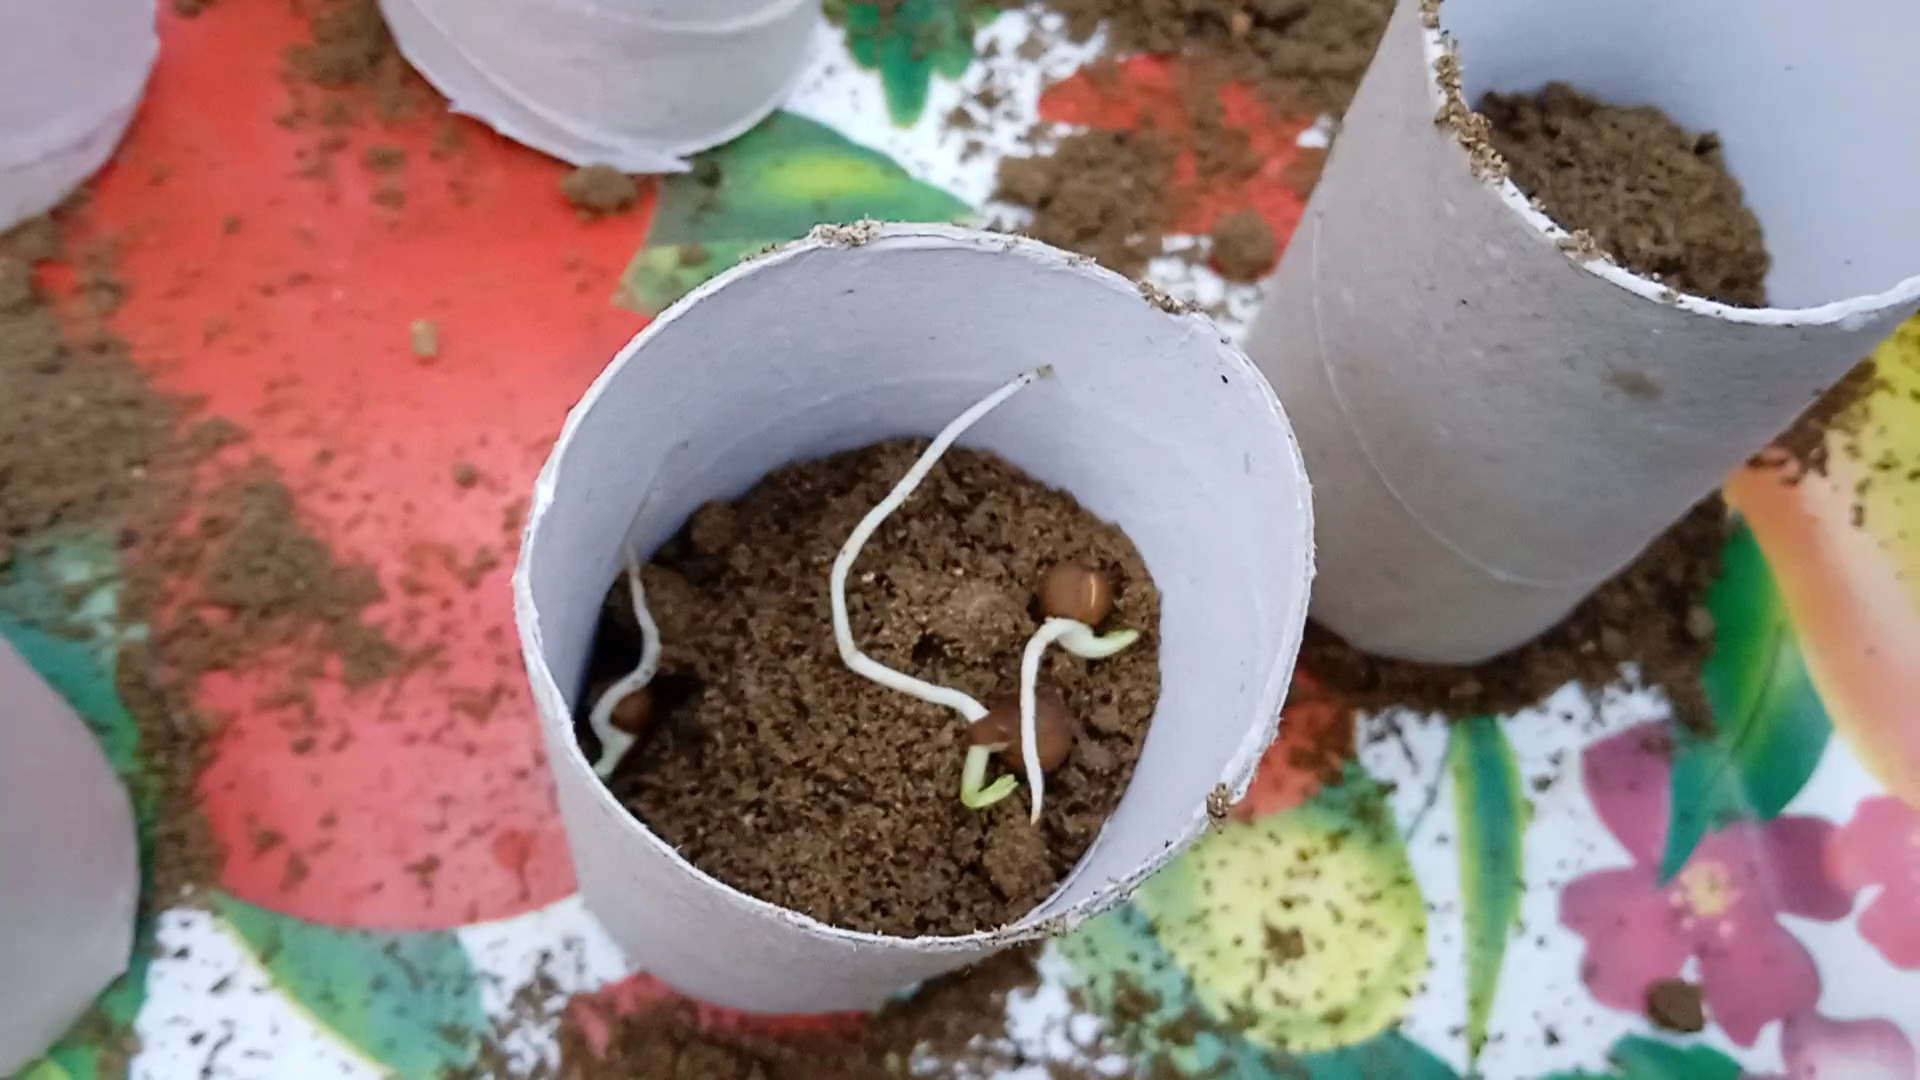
[1308, 53]
[773, 767]
[1103, 194]
[1244, 247]
[599, 189]
[1842, 411]
[218, 578]
[954, 1028]
[1652, 614]
[1110, 195]
[1654, 196]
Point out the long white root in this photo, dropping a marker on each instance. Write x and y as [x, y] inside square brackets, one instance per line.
[615, 743]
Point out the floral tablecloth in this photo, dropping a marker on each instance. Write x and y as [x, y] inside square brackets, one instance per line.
[1489, 898]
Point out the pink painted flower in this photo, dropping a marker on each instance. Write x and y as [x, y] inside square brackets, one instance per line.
[1817, 1048]
[1881, 846]
[1721, 908]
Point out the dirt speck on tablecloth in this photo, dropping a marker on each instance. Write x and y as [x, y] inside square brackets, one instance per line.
[773, 767]
[600, 189]
[1244, 247]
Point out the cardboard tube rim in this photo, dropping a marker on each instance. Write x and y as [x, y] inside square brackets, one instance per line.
[773, 11]
[1240, 768]
[1437, 43]
[492, 101]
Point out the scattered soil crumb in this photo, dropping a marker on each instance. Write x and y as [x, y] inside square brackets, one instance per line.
[955, 1028]
[424, 336]
[248, 580]
[1244, 247]
[1676, 1005]
[1100, 193]
[218, 579]
[1650, 194]
[1840, 412]
[1652, 614]
[771, 766]
[81, 429]
[383, 158]
[600, 189]
[1299, 53]
[350, 39]
[464, 474]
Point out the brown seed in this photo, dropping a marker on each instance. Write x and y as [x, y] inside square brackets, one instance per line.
[1072, 591]
[634, 710]
[1675, 1005]
[1052, 723]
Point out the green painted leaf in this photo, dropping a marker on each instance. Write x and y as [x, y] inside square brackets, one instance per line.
[1770, 727]
[1638, 1058]
[73, 586]
[1491, 808]
[911, 41]
[1388, 1054]
[408, 1001]
[770, 185]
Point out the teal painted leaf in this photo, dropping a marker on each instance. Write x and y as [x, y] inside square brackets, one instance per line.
[1770, 728]
[408, 1001]
[909, 42]
[1125, 973]
[1491, 808]
[1639, 1058]
[769, 186]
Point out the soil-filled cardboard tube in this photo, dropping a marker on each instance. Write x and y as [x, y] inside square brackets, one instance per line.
[1154, 421]
[635, 84]
[71, 77]
[1494, 425]
[69, 871]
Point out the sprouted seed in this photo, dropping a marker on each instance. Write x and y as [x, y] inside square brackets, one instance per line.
[615, 742]
[1072, 591]
[1053, 726]
[1073, 635]
[1079, 639]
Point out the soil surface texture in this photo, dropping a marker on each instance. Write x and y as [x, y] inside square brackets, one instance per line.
[770, 765]
[1654, 196]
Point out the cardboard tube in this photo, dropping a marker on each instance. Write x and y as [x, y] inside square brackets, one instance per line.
[863, 333]
[1495, 426]
[71, 76]
[69, 869]
[636, 84]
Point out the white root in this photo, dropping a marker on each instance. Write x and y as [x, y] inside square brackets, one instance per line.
[615, 743]
[860, 663]
[1079, 639]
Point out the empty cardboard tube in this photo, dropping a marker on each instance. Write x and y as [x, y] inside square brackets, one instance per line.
[857, 334]
[1496, 425]
[71, 77]
[635, 84]
[69, 868]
